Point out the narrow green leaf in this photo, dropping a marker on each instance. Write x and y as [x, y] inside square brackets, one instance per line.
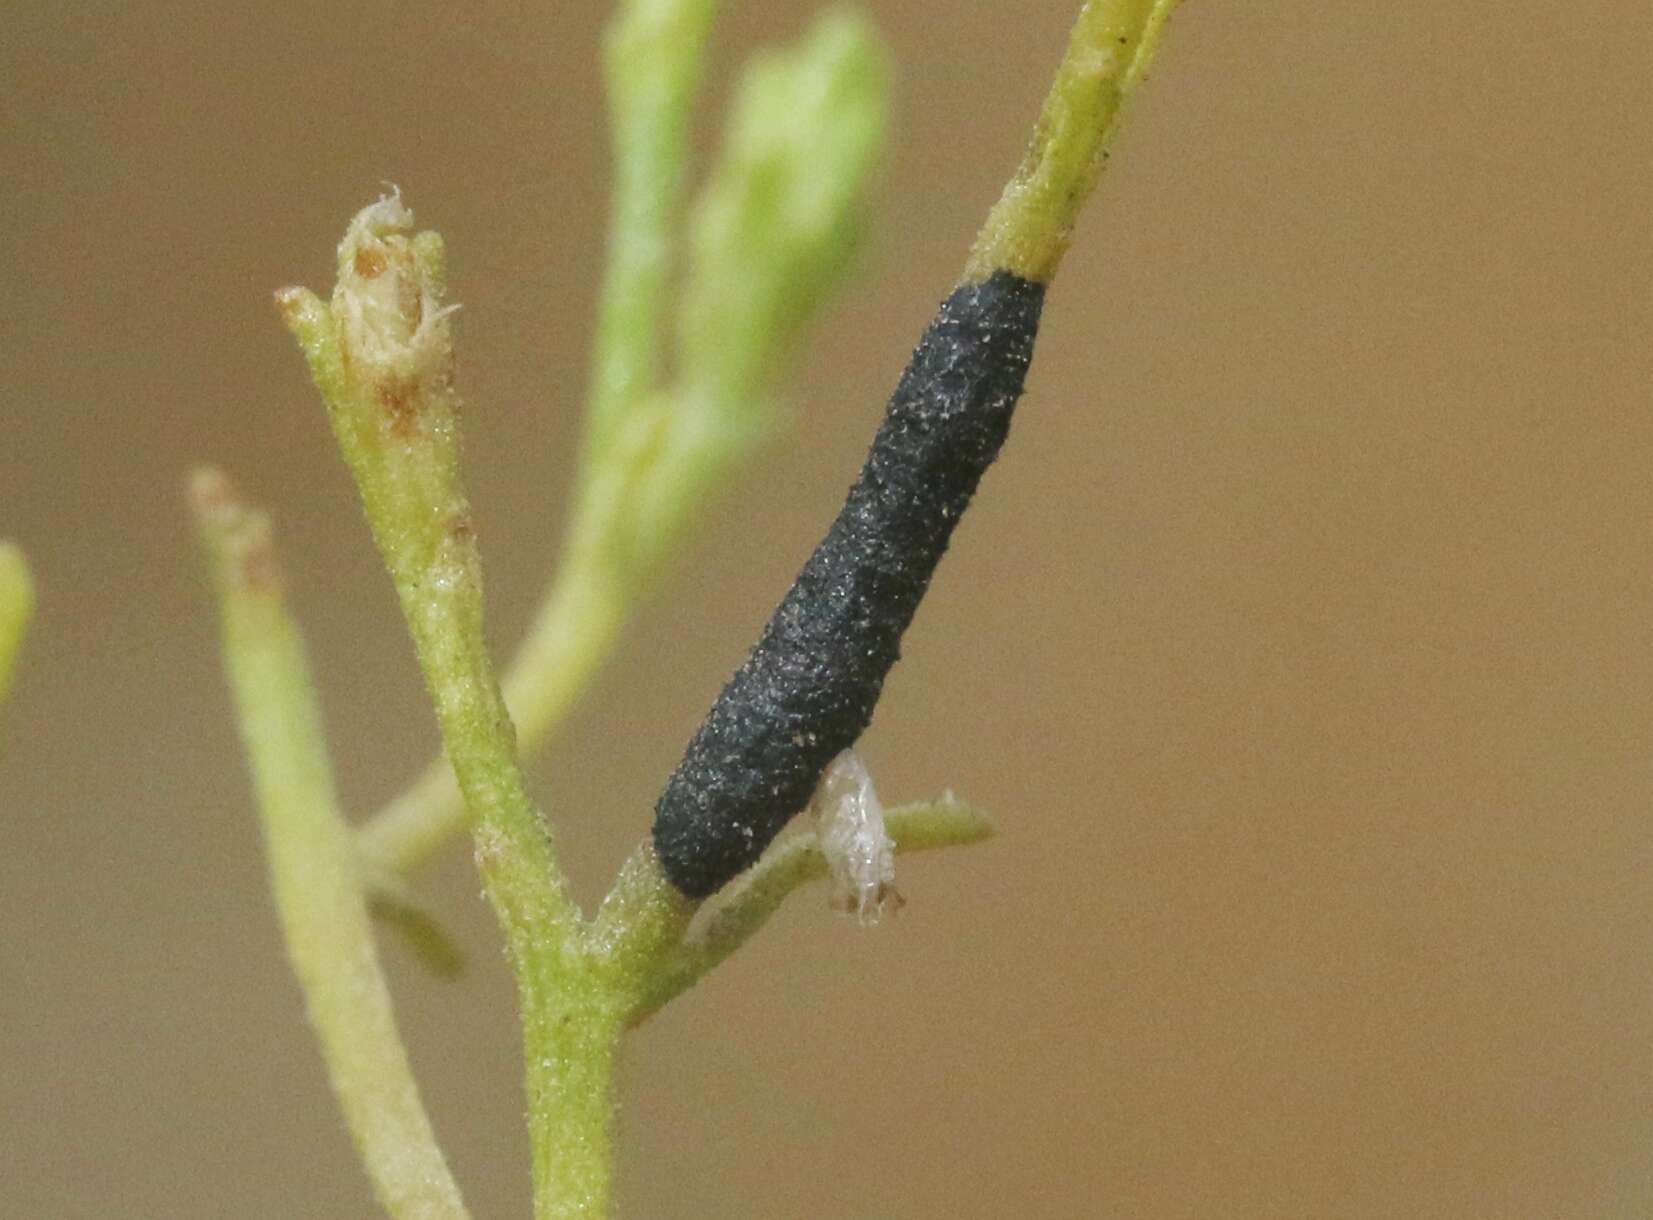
[16, 611]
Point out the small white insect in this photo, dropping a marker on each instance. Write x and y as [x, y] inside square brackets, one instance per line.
[849, 822]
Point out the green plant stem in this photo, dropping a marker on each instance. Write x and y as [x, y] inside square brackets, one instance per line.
[572, 636]
[313, 865]
[574, 1030]
[1108, 54]
[381, 354]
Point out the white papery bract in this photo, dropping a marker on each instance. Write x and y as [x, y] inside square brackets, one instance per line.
[849, 822]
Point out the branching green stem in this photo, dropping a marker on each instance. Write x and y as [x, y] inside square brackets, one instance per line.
[313, 865]
[382, 356]
[695, 431]
[771, 237]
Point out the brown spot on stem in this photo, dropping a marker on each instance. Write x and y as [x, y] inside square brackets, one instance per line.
[399, 398]
[370, 262]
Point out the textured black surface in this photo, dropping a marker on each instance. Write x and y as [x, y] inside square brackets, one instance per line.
[809, 687]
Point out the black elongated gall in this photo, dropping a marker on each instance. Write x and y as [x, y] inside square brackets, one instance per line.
[809, 687]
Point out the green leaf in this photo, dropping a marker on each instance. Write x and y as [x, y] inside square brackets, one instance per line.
[16, 611]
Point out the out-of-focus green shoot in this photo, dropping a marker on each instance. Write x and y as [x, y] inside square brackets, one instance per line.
[771, 238]
[653, 58]
[313, 863]
[16, 609]
[779, 220]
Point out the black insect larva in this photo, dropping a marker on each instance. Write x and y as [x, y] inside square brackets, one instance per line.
[809, 687]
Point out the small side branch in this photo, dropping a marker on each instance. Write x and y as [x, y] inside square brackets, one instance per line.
[792, 863]
[653, 59]
[313, 865]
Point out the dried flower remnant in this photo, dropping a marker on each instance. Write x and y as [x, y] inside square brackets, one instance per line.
[849, 824]
[381, 352]
[387, 299]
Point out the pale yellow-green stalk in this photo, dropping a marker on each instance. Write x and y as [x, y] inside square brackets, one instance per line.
[1109, 52]
[313, 863]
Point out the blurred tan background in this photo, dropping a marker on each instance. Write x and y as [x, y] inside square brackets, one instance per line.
[1302, 642]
